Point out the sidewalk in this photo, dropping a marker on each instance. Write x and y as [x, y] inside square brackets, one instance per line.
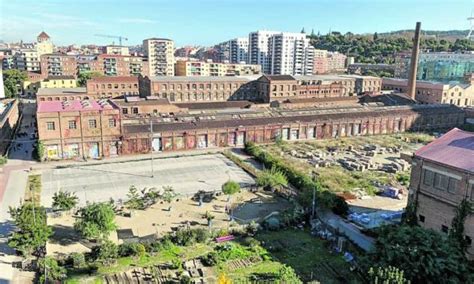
[125, 158]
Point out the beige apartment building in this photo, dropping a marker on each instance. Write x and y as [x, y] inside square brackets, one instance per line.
[434, 92]
[160, 55]
[442, 176]
[200, 68]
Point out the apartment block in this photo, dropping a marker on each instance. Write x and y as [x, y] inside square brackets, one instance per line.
[259, 48]
[238, 50]
[199, 68]
[442, 177]
[117, 50]
[290, 54]
[58, 65]
[434, 92]
[27, 60]
[328, 62]
[160, 55]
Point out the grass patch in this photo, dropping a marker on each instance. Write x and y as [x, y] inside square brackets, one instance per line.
[307, 255]
[33, 189]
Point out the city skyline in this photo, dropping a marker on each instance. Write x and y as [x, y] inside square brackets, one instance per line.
[209, 22]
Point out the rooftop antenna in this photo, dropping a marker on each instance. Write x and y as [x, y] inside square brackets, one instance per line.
[470, 35]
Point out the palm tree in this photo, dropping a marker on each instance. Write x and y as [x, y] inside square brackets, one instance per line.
[64, 200]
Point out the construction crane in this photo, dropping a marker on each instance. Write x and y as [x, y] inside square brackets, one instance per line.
[120, 38]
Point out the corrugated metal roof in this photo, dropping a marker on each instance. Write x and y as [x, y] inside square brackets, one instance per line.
[455, 149]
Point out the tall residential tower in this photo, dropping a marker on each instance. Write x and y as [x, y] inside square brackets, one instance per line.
[160, 54]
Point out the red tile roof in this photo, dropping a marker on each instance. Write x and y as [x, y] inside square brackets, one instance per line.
[455, 149]
[43, 35]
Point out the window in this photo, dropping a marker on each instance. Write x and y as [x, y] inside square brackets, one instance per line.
[125, 110]
[50, 125]
[135, 110]
[112, 122]
[441, 181]
[452, 185]
[421, 218]
[72, 124]
[428, 178]
[444, 228]
[92, 123]
[468, 240]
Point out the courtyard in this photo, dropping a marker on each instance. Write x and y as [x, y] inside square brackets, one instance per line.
[101, 182]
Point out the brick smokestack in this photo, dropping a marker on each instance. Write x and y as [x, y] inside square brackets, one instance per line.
[414, 62]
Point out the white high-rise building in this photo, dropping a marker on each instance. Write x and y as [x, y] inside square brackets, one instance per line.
[238, 50]
[281, 53]
[160, 53]
[291, 54]
[259, 49]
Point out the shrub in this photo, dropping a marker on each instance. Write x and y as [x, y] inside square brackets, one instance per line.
[230, 187]
[184, 279]
[3, 160]
[252, 228]
[77, 260]
[176, 263]
[210, 259]
[298, 179]
[105, 253]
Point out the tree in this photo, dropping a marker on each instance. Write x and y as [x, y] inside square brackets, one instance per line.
[105, 253]
[64, 200]
[424, 255]
[33, 231]
[12, 80]
[168, 195]
[84, 76]
[376, 36]
[272, 179]
[50, 270]
[38, 151]
[456, 233]
[387, 275]
[96, 221]
[134, 202]
[230, 187]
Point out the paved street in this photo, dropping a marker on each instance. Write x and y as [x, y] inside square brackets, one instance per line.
[186, 175]
[13, 178]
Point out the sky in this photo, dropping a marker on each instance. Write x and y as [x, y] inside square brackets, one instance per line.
[208, 22]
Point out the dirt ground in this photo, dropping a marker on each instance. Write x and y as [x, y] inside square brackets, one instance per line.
[159, 220]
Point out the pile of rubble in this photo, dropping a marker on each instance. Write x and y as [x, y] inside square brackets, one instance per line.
[353, 158]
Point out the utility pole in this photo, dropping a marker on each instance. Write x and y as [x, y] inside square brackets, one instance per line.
[151, 146]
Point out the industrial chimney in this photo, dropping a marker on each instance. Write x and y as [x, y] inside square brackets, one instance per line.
[414, 62]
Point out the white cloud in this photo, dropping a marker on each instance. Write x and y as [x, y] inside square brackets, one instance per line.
[136, 21]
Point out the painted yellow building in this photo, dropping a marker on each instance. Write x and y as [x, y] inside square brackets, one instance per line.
[31, 88]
